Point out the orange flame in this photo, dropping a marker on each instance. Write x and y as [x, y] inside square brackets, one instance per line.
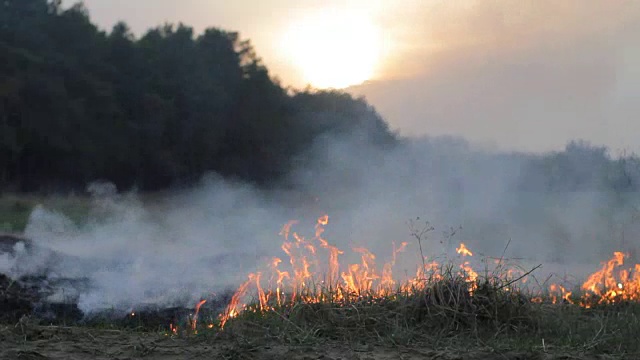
[558, 292]
[233, 309]
[334, 252]
[612, 283]
[351, 281]
[462, 250]
[194, 320]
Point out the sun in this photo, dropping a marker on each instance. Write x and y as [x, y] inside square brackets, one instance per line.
[334, 49]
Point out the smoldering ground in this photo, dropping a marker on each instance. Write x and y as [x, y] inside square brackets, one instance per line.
[199, 242]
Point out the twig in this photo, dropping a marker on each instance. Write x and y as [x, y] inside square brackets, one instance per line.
[504, 251]
[520, 278]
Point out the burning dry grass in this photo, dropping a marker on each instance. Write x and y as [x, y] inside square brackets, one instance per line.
[458, 304]
[445, 314]
[450, 304]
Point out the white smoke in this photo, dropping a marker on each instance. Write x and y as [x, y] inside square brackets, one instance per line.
[172, 250]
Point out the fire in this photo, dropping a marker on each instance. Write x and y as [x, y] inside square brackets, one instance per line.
[612, 283]
[470, 275]
[558, 292]
[234, 306]
[334, 252]
[323, 220]
[462, 250]
[308, 279]
[194, 320]
[387, 281]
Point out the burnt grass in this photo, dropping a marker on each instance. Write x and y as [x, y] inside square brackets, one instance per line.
[27, 298]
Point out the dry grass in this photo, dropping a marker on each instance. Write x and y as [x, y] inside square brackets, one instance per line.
[441, 312]
[445, 315]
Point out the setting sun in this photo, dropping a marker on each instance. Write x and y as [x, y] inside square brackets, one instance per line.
[334, 49]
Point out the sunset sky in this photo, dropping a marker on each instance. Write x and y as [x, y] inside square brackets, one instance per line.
[527, 75]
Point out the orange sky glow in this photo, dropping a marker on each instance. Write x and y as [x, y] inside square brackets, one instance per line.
[526, 75]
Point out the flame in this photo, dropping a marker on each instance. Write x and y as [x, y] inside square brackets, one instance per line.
[233, 308]
[337, 284]
[310, 280]
[612, 283]
[323, 220]
[462, 250]
[387, 271]
[334, 252]
[558, 292]
[194, 320]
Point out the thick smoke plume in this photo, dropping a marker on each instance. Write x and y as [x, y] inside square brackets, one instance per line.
[198, 242]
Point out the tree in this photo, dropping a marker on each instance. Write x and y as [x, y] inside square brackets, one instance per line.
[78, 104]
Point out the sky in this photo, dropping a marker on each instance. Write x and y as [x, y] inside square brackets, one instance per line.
[515, 75]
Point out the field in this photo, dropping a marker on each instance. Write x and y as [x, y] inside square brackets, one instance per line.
[75, 343]
[80, 343]
[450, 325]
[447, 310]
[15, 209]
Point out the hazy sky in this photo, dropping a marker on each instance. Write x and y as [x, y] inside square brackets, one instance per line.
[529, 74]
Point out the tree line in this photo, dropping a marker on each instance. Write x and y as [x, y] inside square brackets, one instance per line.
[79, 104]
[581, 167]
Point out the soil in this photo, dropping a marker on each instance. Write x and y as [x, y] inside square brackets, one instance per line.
[23, 341]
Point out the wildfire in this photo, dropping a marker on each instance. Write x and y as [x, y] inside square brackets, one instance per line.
[315, 275]
[309, 281]
[612, 283]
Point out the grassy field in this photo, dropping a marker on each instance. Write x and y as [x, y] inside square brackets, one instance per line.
[442, 320]
[444, 314]
[15, 209]
[443, 317]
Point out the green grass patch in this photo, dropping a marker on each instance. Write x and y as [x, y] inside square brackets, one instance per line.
[15, 209]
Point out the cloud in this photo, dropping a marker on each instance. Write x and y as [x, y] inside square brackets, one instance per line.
[526, 75]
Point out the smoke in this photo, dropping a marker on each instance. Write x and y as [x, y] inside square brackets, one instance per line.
[526, 77]
[172, 251]
[174, 248]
